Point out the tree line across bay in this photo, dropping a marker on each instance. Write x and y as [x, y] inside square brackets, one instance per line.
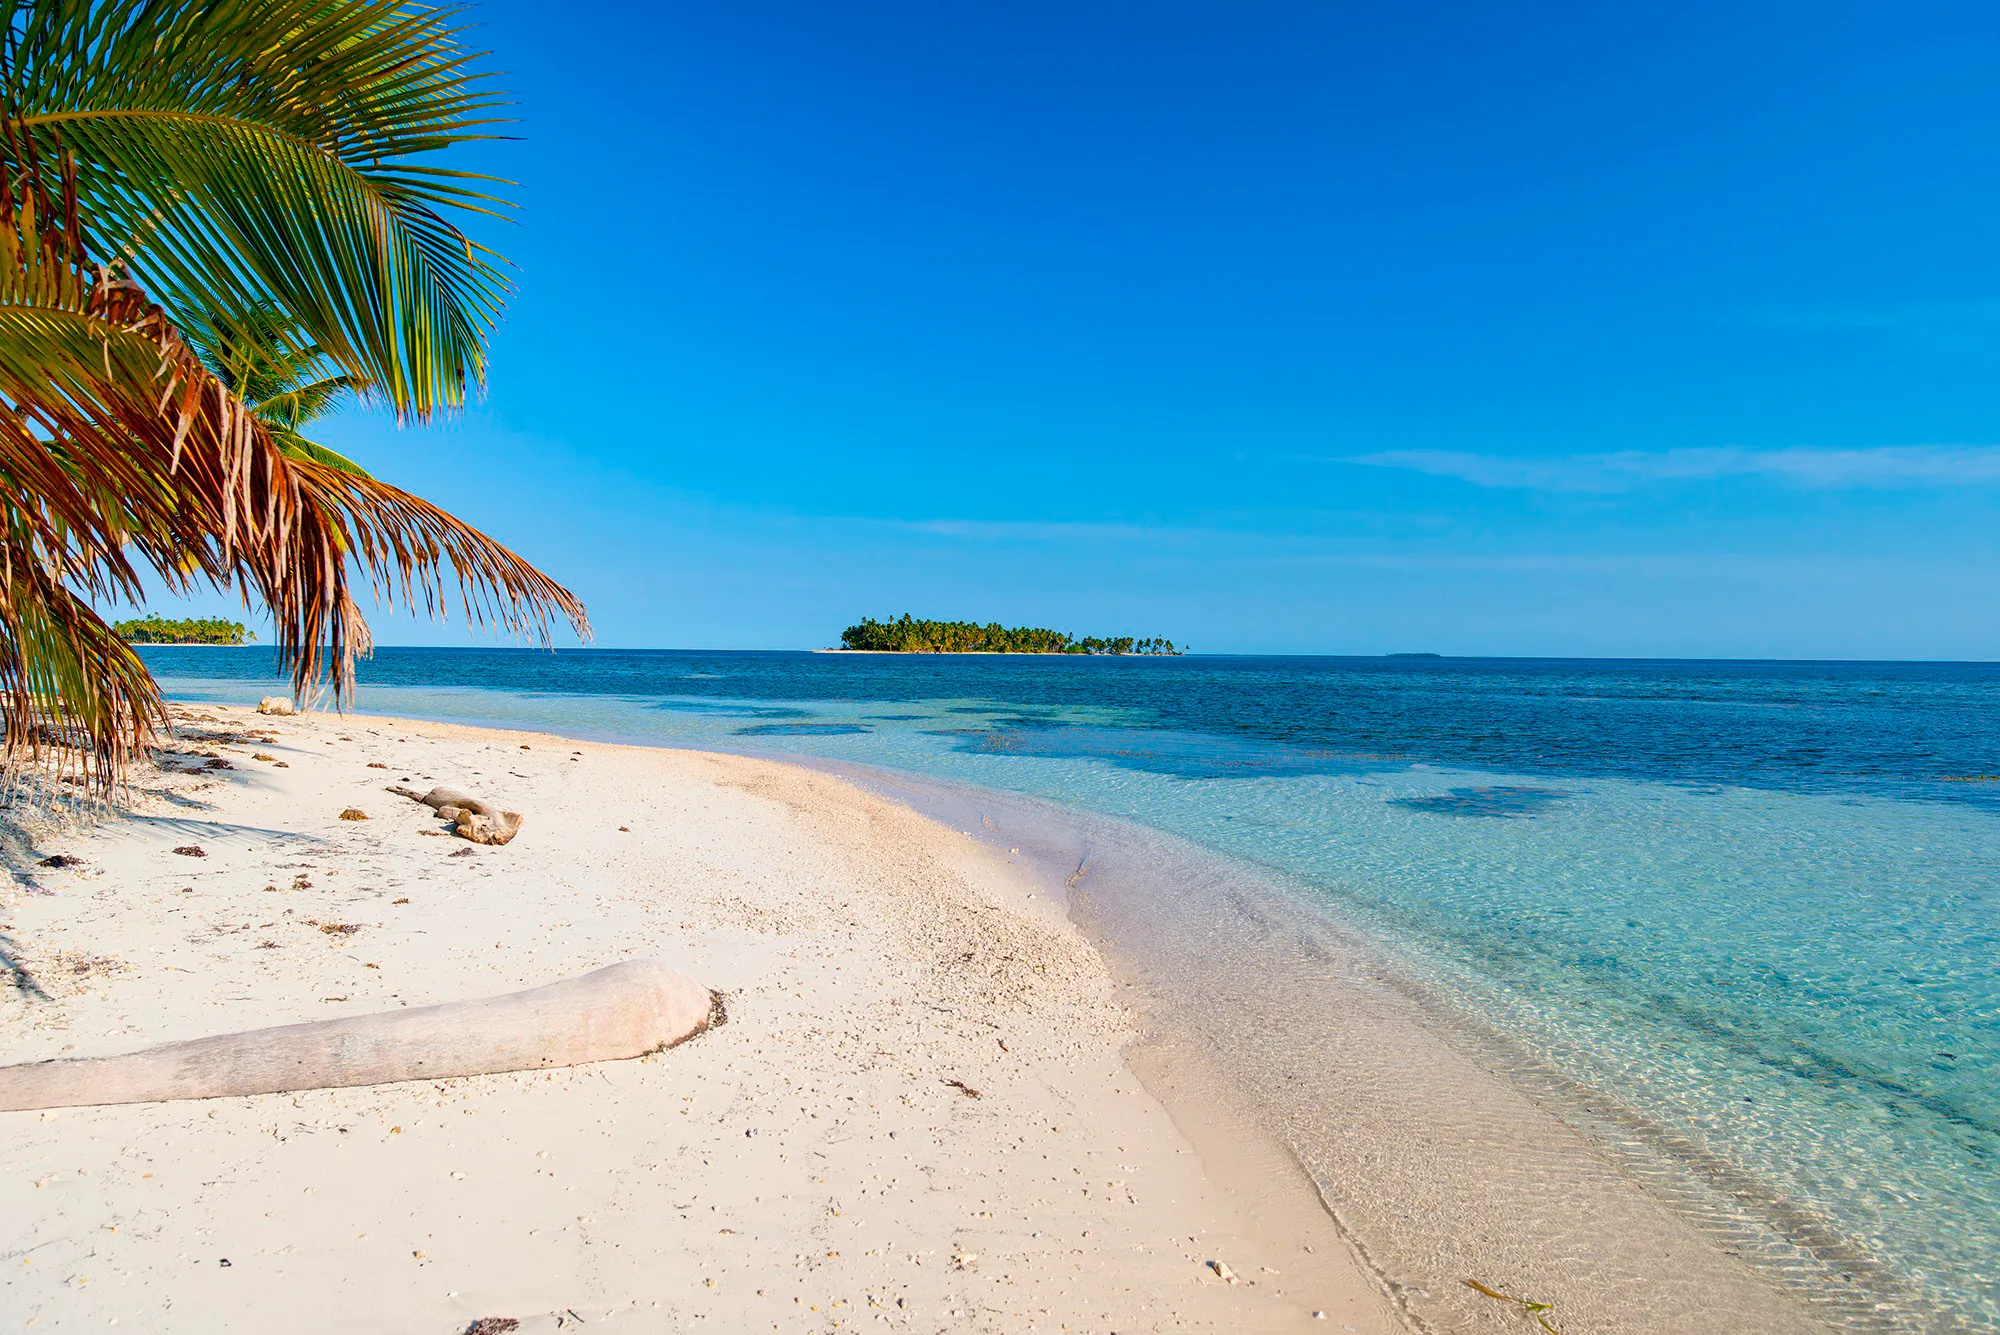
[188, 630]
[908, 635]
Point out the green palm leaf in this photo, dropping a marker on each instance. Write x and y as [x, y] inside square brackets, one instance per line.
[237, 154]
[271, 365]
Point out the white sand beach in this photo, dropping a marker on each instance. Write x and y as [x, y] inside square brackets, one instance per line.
[917, 1116]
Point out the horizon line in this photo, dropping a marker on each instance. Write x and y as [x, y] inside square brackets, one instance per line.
[1402, 655]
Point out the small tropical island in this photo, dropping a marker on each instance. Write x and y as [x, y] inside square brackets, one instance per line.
[157, 629]
[908, 635]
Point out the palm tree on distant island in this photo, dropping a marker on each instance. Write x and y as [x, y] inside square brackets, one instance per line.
[217, 220]
[911, 635]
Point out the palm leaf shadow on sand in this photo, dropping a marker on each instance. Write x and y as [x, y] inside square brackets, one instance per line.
[17, 972]
[182, 827]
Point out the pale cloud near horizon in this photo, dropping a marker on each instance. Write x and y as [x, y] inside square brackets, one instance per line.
[1623, 470]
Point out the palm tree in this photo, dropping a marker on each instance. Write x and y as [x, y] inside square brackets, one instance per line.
[217, 219]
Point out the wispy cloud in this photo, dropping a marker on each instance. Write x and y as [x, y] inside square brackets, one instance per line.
[1881, 466]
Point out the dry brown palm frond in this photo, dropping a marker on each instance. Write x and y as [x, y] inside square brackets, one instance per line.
[111, 431]
[415, 553]
[77, 701]
[187, 478]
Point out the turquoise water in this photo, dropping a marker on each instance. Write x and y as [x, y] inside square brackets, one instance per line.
[1757, 905]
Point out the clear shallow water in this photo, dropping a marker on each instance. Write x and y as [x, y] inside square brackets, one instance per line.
[1756, 906]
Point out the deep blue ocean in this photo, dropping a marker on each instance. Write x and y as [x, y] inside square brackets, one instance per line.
[1757, 903]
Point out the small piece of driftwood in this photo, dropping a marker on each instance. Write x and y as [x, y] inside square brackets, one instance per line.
[470, 817]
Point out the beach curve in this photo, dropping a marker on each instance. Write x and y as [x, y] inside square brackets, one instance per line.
[918, 1115]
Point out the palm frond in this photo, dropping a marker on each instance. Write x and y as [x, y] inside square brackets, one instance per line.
[416, 554]
[264, 358]
[296, 406]
[158, 458]
[239, 153]
[124, 449]
[113, 436]
[296, 446]
[75, 699]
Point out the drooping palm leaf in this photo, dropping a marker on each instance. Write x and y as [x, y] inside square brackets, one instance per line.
[76, 699]
[413, 551]
[113, 437]
[416, 554]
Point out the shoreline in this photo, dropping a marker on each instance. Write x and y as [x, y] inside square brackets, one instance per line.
[1250, 1138]
[1441, 1151]
[871, 956]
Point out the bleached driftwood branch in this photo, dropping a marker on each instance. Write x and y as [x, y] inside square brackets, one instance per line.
[625, 1010]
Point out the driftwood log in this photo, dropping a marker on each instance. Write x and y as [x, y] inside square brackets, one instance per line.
[470, 817]
[625, 1010]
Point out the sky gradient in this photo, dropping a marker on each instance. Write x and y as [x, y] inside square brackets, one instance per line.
[1563, 329]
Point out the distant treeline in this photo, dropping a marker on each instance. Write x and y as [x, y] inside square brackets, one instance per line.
[192, 630]
[907, 635]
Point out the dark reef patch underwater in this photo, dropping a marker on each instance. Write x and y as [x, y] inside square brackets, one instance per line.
[1498, 800]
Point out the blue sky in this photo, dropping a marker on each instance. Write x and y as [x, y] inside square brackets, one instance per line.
[1514, 329]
